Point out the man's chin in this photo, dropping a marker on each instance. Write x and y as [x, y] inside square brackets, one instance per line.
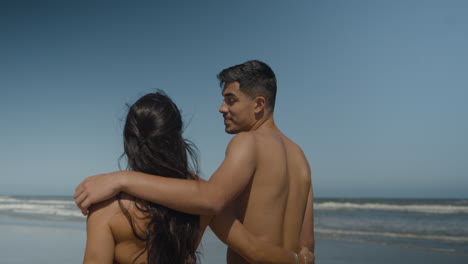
[230, 131]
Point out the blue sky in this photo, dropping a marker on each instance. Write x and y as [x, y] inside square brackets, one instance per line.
[373, 91]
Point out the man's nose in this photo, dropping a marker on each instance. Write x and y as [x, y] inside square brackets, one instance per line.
[223, 108]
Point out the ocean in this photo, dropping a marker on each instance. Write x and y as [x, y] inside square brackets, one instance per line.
[436, 228]
[425, 224]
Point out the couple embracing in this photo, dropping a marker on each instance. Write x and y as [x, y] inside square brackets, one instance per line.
[259, 201]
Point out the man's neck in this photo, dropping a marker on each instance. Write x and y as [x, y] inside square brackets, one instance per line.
[266, 121]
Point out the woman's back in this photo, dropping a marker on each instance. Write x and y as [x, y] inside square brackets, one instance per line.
[126, 247]
[143, 231]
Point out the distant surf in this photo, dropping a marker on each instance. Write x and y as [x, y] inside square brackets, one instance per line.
[428, 224]
[41, 207]
[429, 208]
[431, 224]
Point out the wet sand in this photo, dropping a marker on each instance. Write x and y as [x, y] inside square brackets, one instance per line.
[39, 241]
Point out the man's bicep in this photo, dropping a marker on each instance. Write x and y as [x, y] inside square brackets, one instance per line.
[307, 232]
[237, 169]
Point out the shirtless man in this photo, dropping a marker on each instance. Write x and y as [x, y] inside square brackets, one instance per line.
[265, 178]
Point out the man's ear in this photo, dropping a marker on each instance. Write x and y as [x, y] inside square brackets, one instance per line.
[259, 104]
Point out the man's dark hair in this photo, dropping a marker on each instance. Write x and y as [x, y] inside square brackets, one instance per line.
[255, 79]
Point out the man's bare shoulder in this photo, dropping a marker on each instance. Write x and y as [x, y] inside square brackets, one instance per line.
[294, 146]
[245, 139]
[298, 157]
[246, 135]
[257, 136]
[242, 148]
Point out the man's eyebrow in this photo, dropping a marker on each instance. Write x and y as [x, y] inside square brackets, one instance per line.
[229, 94]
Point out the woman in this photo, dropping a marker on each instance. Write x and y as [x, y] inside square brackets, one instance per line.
[126, 229]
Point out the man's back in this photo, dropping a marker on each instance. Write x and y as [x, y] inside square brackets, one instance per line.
[273, 205]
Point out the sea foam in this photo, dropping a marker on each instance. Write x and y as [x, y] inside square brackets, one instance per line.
[460, 239]
[415, 208]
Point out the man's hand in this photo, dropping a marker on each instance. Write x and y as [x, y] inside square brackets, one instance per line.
[306, 256]
[96, 189]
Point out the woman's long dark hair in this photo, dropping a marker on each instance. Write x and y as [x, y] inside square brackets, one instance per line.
[154, 144]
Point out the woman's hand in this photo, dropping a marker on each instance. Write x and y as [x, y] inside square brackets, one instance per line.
[306, 256]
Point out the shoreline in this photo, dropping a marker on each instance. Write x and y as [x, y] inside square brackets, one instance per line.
[348, 251]
[56, 242]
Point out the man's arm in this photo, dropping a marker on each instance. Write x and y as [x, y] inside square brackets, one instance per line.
[233, 233]
[307, 232]
[99, 242]
[194, 197]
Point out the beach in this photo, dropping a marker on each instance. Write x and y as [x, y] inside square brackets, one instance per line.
[35, 241]
[358, 252]
[51, 230]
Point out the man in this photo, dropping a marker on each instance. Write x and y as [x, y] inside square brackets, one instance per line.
[264, 179]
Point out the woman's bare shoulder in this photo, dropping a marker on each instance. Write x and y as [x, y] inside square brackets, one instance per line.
[106, 209]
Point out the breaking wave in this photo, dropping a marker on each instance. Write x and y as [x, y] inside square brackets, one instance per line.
[414, 208]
